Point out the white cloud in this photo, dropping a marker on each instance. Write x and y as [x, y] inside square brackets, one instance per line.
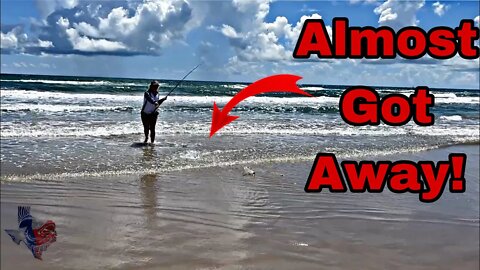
[79, 13]
[439, 8]
[364, 1]
[477, 20]
[44, 44]
[8, 40]
[252, 38]
[157, 22]
[258, 47]
[117, 22]
[47, 65]
[306, 9]
[259, 8]
[149, 26]
[255, 40]
[63, 22]
[85, 44]
[46, 7]
[22, 65]
[86, 29]
[460, 64]
[228, 31]
[137, 27]
[14, 39]
[237, 67]
[399, 13]
[75, 27]
[261, 47]
[295, 32]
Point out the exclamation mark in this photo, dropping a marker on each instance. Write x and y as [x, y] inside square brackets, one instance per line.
[457, 180]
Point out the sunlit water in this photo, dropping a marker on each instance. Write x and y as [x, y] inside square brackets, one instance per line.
[184, 204]
[54, 125]
[219, 219]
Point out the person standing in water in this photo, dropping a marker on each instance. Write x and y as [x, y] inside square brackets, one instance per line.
[149, 113]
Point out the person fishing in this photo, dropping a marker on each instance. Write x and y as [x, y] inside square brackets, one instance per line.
[149, 113]
[151, 102]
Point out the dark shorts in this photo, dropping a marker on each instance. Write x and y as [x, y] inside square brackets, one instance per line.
[149, 120]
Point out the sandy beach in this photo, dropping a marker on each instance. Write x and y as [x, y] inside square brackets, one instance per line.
[216, 218]
[155, 134]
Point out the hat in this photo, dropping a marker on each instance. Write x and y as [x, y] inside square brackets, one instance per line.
[154, 83]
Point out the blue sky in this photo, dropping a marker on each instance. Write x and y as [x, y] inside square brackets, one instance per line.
[238, 40]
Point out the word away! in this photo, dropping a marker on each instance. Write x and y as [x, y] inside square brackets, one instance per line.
[425, 177]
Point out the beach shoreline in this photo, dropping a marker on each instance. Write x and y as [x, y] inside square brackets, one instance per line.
[30, 175]
[91, 127]
[216, 218]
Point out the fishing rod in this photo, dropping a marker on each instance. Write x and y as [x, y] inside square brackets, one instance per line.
[178, 83]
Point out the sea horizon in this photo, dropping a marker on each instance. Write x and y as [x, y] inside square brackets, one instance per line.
[232, 82]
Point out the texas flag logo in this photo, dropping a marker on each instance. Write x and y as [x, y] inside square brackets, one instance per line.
[37, 236]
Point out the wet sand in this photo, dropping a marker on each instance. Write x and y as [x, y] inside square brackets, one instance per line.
[218, 219]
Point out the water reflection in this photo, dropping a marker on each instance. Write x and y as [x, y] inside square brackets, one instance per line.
[149, 154]
[148, 191]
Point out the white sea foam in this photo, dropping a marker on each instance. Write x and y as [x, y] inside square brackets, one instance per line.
[436, 94]
[234, 86]
[312, 88]
[444, 95]
[60, 108]
[69, 175]
[451, 117]
[59, 129]
[98, 83]
[444, 98]
[30, 95]
[27, 95]
[457, 100]
[53, 130]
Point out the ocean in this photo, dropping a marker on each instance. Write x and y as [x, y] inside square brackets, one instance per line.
[184, 203]
[56, 126]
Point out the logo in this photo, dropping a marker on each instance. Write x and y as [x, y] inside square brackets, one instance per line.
[36, 235]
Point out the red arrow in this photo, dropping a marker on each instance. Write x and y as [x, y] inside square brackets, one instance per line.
[275, 83]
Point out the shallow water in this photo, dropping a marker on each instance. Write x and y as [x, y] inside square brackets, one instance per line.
[53, 125]
[218, 219]
[68, 150]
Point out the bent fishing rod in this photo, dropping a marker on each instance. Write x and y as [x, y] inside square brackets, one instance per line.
[178, 83]
[184, 77]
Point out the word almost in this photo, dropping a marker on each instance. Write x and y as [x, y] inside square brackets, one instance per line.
[383, 42]
[424, 177]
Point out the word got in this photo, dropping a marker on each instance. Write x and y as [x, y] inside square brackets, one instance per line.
[362, 106]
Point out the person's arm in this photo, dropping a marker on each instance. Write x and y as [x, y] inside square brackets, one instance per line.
[160, 101]
[149, 98]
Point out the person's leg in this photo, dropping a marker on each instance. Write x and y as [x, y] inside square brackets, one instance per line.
[153, 122]
[146, 126]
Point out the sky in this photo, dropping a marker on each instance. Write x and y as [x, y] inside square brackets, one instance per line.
[237, 40]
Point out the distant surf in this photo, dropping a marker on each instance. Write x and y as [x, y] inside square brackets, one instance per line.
[57, 124]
